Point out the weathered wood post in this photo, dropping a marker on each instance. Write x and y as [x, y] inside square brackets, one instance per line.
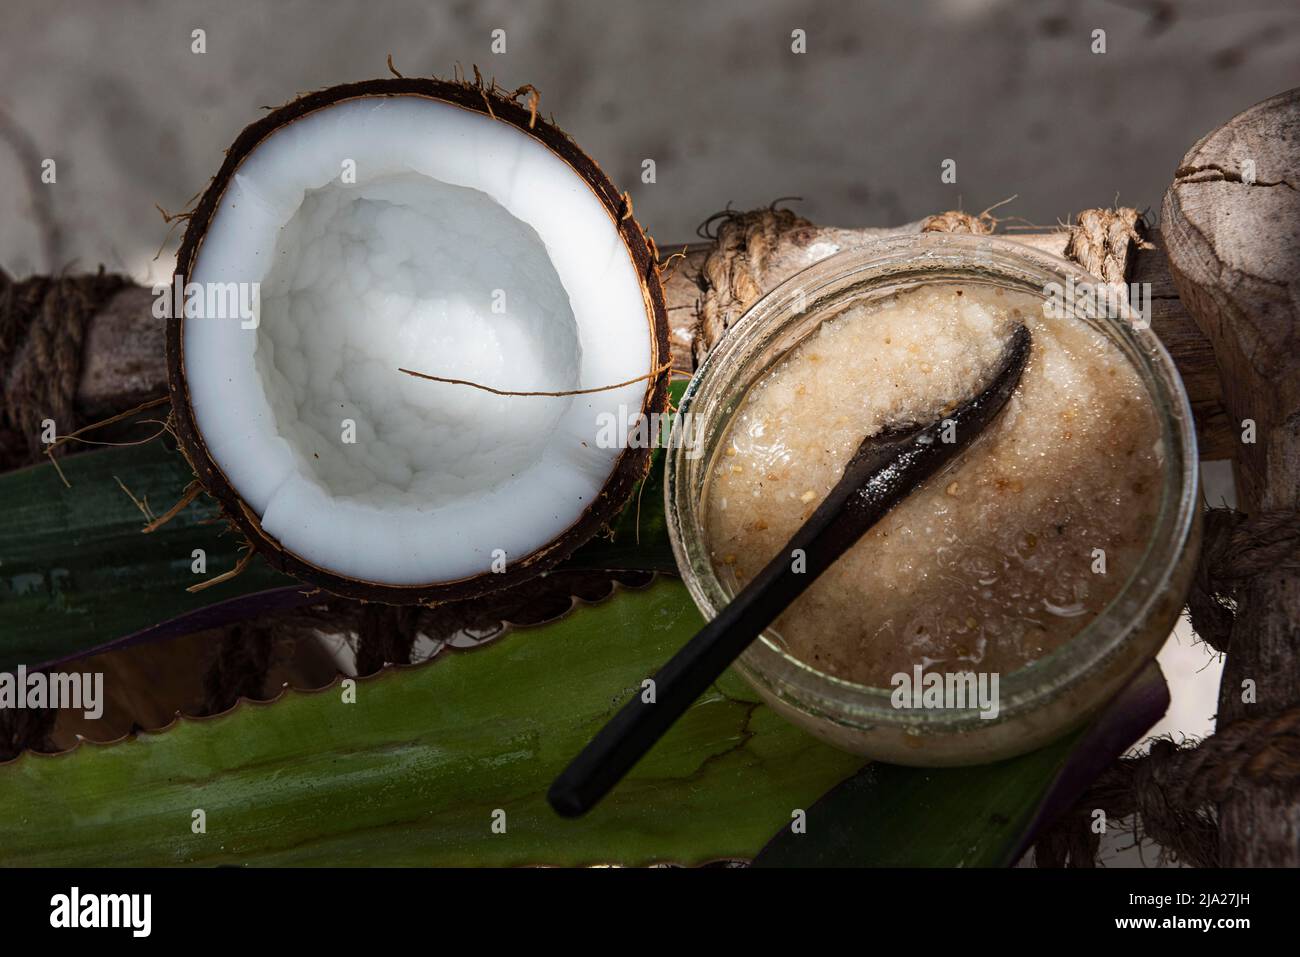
[1231, 225]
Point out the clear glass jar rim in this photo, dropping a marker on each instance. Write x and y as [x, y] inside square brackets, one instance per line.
[950, 257]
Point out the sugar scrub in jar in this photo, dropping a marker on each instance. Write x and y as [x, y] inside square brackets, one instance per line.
[1021, 563]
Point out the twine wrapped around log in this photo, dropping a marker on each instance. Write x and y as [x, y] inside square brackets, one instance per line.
[732, 273]
[1233, 250]
[955, 221]
[1235, 548]
[1171, 791]
[753, 251]
[43, 323]
[1102, 239]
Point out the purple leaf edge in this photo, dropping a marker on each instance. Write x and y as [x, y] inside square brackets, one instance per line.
[1122, 722]
[215, 615]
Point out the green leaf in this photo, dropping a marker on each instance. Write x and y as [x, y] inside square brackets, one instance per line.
[414, 770]
[638, 538]
[982, 816]
[75, 569]
[76, 572]
[893, 816]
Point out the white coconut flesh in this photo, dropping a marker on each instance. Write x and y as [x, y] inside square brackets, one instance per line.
[464, 249]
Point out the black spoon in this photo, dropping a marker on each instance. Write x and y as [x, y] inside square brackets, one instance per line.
[886, 468]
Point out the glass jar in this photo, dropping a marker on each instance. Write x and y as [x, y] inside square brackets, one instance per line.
[1050, 696]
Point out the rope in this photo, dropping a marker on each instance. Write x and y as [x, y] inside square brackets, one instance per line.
[1234, 549]
[955, 221]
[1172, 791]
[1100, 241]
[43, 322]
[732, 271]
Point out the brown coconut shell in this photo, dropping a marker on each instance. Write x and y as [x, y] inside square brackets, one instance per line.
[631, 466]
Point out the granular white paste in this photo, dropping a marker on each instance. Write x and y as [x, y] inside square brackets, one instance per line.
[991, 564]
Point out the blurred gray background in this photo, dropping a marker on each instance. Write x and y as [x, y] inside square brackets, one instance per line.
[858, 125]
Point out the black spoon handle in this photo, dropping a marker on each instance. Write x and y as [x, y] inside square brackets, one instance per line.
[885, 469]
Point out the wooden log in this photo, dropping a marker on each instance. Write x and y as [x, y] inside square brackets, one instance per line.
[125, 356]
[124, 360]
[1232, 225]
[685, 291]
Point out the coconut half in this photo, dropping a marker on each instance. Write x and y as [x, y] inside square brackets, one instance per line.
[433, 226]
